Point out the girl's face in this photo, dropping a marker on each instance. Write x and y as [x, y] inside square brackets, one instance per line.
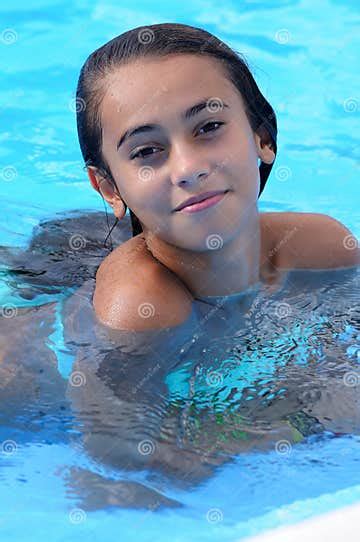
[176, 156]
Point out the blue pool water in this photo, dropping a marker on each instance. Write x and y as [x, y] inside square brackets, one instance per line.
[235, 429]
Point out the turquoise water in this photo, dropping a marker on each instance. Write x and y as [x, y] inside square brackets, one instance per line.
[67, 463]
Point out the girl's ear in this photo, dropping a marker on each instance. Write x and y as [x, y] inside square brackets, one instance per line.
[106, 189]
[264, 147]
[101, 184]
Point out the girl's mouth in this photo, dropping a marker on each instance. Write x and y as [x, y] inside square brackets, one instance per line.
[205, 204]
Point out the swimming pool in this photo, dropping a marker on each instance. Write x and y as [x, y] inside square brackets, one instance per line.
[228, 428]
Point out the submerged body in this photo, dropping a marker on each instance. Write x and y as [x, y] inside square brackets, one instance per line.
[245, 379]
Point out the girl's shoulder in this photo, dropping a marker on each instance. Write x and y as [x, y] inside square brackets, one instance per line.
[311, 241]
[131, 283]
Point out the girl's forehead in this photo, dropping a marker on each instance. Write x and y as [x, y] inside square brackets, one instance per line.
[146, 88]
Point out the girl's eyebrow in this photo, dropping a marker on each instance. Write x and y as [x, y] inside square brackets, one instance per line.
[189, 113]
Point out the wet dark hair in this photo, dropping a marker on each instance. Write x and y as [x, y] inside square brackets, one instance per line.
[161, 40]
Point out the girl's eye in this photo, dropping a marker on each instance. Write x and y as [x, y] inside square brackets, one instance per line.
[211, 123]
[140, 154]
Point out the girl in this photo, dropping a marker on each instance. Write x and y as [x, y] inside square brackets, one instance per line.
[172, 125]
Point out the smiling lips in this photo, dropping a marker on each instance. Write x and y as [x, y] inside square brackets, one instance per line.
[203, 201]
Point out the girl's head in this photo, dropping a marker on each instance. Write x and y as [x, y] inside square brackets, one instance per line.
[151, 76]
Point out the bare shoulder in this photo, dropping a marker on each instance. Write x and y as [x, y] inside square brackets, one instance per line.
[311, 241]
[135, 292]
